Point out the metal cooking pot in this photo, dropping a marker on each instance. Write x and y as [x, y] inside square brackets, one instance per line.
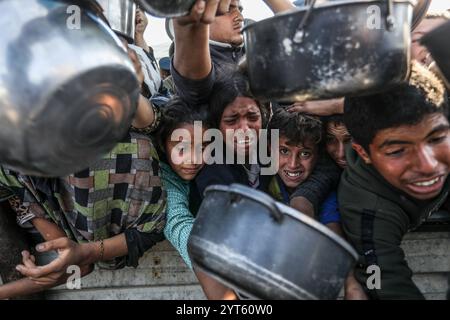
[419, 12]
[437, 42]
[68, 91]
[329, 51]
[121, 15]
[166, 8]
[265, 249]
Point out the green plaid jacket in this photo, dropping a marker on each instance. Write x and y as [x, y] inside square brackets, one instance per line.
[118, 193]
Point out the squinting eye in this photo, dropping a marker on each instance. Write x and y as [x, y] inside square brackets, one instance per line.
[395, 153]
[305, 154]
[438, 139]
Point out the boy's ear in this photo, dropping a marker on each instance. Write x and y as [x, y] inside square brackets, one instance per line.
[361, 152]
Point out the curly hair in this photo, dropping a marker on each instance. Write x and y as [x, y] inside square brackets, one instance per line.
[297, 128]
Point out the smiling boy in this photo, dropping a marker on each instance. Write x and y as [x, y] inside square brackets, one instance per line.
[397, 175]
[299, 137]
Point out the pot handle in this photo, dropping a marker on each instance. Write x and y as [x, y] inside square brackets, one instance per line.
[390, 20]
[262, 198]
[300, 33]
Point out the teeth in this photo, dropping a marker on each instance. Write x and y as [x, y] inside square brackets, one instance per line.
[293, 175]
[427, 183]
[246, 141]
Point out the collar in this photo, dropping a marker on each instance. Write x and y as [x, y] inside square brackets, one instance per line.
[225, 45]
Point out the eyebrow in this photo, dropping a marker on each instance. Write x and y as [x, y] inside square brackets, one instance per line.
[439, 128]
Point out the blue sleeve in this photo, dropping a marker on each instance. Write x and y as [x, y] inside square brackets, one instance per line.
[329, 212]
[179, 220]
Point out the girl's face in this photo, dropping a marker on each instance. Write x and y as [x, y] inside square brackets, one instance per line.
[242, 114]
[184, 153]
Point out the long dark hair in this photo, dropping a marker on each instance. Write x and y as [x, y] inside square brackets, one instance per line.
[229, 86]
[176, 113]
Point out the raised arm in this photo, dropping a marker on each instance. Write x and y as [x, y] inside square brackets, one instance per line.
[192, 58]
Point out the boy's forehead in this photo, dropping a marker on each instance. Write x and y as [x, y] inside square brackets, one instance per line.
[411, 133]
[304, 144]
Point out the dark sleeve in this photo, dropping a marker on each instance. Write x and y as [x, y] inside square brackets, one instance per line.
[323, 180]
[376, 236]
[138, 243]
[215, 174]
[193, 92]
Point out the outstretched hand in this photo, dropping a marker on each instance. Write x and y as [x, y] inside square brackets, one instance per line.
[69, 253]
[319, 107]
[205, 11]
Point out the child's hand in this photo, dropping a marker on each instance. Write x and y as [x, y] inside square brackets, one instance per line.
[69, 253]
[205, 11]
[49, 281]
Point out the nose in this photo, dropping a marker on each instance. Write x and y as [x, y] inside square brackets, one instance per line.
[341, 151]
[197, 156]
[243, 125]
[238, 16]
[426, 162]
[293, 162]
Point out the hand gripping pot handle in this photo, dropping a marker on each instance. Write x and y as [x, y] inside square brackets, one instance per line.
[238, 190]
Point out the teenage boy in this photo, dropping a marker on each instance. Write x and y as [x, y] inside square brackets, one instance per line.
[397, 176]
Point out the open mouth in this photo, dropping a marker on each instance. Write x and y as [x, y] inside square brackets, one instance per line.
[294, 176]
[244, 143]
[425, 187]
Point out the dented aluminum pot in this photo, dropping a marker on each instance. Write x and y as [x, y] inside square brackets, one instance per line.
[265, 249]
[166, 8]
[331, 50]
[68, 91]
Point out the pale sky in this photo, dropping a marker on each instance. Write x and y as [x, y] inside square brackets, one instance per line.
[254, 9]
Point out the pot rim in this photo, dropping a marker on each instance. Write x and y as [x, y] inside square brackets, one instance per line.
[265, 199]
[323, 6]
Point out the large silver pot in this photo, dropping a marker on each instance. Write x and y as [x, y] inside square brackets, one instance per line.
[121, 15]
[68, 90]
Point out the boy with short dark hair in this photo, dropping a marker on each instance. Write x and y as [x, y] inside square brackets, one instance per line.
[397, 175]
[298, 152]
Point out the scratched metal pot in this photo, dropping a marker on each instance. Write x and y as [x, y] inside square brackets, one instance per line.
[330, 50]
[121, 15]
[68, 90]
[265, 249]
[166, 8]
